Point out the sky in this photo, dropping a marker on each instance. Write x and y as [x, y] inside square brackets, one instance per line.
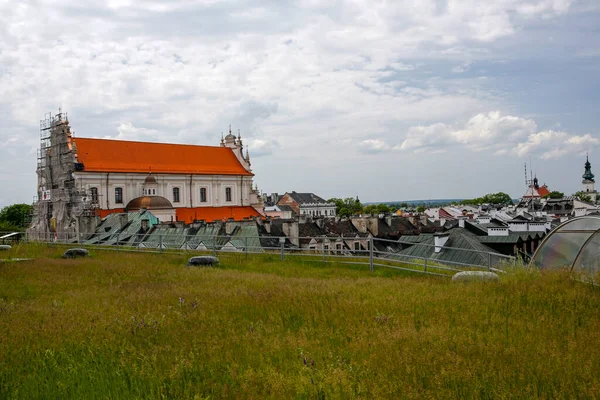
[385, 100]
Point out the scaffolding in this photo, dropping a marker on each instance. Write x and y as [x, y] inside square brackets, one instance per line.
[59, 202]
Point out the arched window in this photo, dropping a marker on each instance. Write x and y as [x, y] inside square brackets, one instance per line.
[203, 195]
[228, 194]
[94, 195]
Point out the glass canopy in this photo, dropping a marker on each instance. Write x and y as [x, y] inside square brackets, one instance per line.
[574, 245]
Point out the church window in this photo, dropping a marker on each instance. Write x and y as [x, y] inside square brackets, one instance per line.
[94, 195]
[203, 195]
[119, 195]
[228, 194]
[176, 195]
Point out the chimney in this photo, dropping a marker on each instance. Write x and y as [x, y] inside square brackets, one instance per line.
[360, 224]
[320, 221]
[291, 230]
[123, 219]
[440, 240]
[388, 220]
[230, 226]
[461, 222]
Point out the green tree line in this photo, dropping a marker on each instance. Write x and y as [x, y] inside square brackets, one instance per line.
[15, 217]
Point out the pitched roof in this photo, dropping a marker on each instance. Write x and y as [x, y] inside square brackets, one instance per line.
[304, 198]
[543, 191]
[462, 247]
[102, 155]
[210, 214]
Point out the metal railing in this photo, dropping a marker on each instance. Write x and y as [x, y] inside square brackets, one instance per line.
[372, 252]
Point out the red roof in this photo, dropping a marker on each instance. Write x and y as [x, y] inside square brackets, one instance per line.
[102, 155]
[210, 214]
[543, 191]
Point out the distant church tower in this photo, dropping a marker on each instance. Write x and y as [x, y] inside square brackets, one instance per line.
[588, 181]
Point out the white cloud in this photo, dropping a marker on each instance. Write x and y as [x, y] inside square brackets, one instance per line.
[294, 76]
[485, 131]
[262, 147]
[464, 67]
[552, 144]
[435, 138]
[373, 146]
[498, 134]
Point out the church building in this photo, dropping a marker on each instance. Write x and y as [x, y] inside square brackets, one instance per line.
[81, 180]
[588, 181]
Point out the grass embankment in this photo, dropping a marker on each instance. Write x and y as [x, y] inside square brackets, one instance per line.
[125, 325]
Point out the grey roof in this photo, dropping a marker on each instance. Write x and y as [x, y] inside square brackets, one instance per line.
[509, 239]
[462, 247]
[110, 230]
[306, 198]
[341, 227]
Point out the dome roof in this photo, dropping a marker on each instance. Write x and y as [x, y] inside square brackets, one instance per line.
[149, 179]
[573, 246]
[149, 202]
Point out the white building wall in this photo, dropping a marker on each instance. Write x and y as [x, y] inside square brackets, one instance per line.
[318, 210]
[518, 226]
[497, 231]
[132, 185]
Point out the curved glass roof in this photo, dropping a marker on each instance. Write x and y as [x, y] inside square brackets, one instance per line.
[574, 245]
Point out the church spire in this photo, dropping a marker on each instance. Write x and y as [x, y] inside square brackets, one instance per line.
[588, 176]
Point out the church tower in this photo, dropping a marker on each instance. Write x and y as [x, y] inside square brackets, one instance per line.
[588, 181]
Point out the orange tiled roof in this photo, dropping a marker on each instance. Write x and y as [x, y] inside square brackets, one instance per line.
[543, 191]
[102, 155]
[210, 214]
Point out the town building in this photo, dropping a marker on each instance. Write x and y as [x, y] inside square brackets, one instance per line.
[535, 191]
[279, 211]
[588, 181]
[308, 204]
[81, 180]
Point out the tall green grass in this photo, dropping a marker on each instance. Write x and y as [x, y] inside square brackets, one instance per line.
[126, 325]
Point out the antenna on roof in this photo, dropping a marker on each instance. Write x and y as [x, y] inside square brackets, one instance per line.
[526, 181]
[530, 169]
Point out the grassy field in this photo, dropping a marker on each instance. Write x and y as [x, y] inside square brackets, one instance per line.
[127, 325]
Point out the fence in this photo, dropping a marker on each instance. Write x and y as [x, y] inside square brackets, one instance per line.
[372, 252]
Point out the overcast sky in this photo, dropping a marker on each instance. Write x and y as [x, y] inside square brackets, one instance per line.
[387, 100]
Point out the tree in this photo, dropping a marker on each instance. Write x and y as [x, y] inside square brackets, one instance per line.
[377, 209]
[555, 195]
[583, 196]
[490, 198]
[421, 209]
[15, 216]
[346, 207]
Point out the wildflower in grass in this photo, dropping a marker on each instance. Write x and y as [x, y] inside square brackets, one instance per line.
[181, 301]
[381, 318]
